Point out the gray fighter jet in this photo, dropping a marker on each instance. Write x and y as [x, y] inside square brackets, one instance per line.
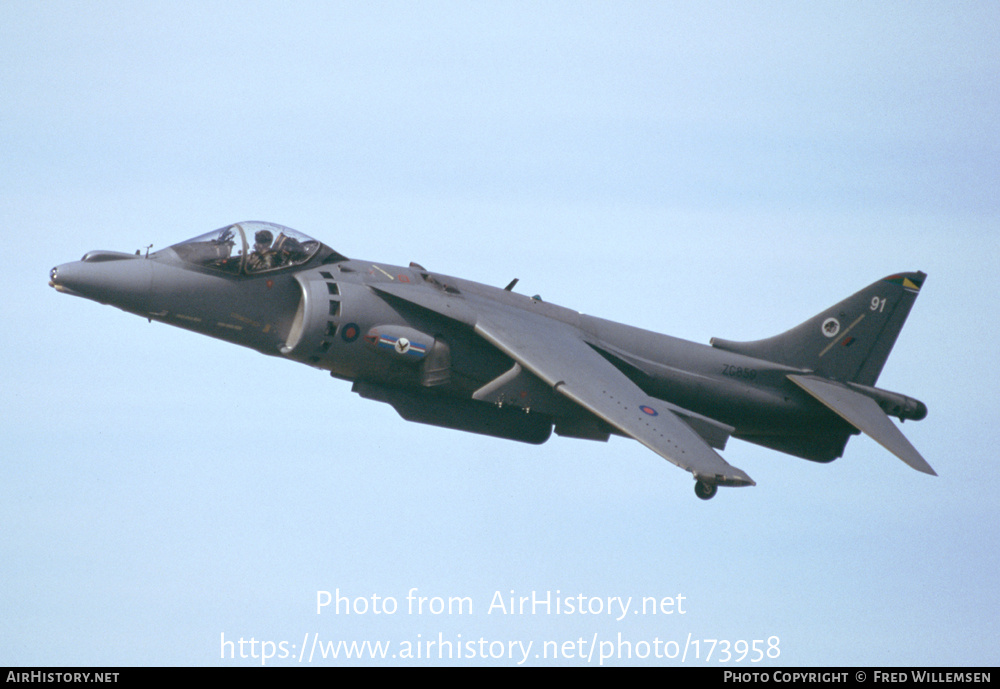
[459, 354]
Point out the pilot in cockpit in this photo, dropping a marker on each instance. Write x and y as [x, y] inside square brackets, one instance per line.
[262, 257]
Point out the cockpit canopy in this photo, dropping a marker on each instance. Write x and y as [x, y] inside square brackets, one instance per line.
[249, 248]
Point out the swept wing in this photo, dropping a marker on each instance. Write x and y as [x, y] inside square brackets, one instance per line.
[558, 355]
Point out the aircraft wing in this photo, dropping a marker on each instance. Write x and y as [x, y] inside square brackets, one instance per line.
[557, 353]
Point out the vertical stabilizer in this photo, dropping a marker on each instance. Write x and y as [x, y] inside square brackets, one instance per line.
[851, 340]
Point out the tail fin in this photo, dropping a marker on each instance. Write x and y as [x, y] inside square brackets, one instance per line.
[849, 341]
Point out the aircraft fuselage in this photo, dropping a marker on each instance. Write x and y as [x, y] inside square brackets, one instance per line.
[464, 355]
[259, 312]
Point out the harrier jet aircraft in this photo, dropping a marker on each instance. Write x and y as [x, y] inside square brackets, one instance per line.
[450, 352]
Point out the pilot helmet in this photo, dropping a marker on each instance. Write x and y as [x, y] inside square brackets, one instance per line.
[263, 237]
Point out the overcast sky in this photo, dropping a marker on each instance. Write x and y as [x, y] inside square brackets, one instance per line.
[699, 169]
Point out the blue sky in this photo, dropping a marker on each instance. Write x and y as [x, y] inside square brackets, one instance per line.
[698, 169]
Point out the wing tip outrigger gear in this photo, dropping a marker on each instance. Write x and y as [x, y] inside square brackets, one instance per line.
[706, 487]
[705, 490]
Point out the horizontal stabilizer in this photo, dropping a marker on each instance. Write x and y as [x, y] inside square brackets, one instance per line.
[864, 414]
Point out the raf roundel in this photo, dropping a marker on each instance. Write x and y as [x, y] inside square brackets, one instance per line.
[350, 332]
[649, 410]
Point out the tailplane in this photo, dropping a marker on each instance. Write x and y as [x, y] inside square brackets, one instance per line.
[864, 413]
[850, 341]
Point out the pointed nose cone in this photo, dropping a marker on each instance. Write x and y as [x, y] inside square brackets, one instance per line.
[122, 280]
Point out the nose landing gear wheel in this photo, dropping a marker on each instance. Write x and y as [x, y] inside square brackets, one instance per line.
[705, 490]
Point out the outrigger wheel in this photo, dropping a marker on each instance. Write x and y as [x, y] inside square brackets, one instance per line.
[705, 490]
